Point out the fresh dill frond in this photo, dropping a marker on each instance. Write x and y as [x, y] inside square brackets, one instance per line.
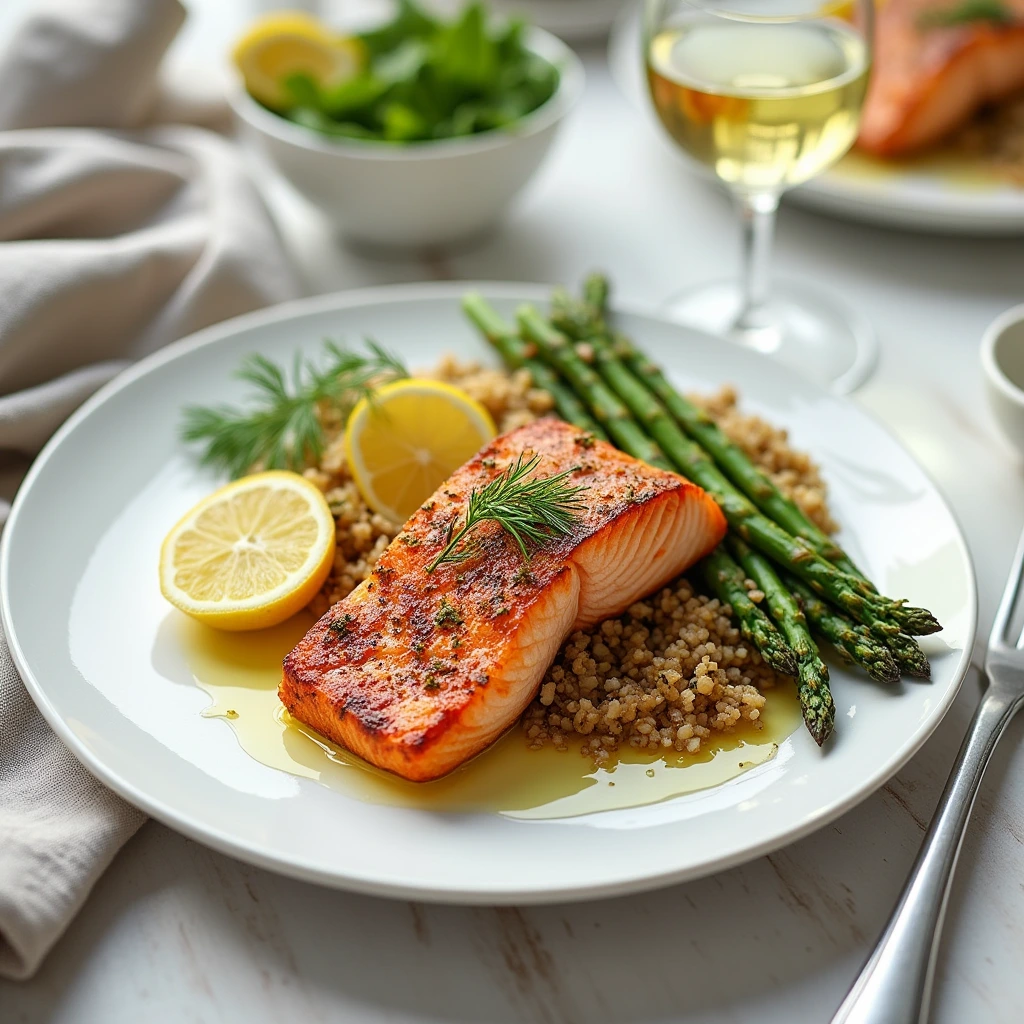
[530, 509]
[280, 427]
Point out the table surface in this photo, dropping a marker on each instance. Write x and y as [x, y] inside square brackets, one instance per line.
[176, 932]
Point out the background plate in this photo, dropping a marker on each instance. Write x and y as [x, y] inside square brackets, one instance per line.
[940, 194]
[91, 634]
[944, 195]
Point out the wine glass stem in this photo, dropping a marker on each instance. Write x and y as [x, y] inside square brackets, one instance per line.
[757, 219]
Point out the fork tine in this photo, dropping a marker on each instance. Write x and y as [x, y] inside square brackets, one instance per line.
[1009, 598]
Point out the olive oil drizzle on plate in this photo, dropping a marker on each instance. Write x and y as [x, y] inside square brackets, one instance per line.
[241, 671]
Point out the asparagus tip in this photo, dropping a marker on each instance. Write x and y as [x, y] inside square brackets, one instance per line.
[916, 621]
[819, 709]
[909, 656]
[883, 670]
[778, 654]
[878, 660]
[819, 723]
[820, 720]
[925, 623]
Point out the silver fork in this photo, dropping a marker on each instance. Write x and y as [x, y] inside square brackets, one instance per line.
[894, 986]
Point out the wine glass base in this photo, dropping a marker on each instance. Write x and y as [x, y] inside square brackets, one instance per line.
[813, 334]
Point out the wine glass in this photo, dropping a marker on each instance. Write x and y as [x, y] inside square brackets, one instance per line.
[766, 94]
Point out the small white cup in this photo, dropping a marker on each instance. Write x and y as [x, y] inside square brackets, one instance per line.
[1002, 360]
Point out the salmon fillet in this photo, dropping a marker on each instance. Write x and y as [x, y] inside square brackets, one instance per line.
[417, 672]
[930, 79]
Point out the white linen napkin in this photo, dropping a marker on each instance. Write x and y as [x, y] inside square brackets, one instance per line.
[117, 236]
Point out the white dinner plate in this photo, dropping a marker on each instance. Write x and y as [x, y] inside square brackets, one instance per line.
[941, 193]
[91, 634]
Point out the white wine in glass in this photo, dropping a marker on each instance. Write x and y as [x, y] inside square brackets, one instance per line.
[765, 94]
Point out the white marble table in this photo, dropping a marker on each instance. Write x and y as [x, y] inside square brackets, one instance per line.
[175, 932]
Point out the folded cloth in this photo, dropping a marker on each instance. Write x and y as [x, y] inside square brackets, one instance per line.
[117, 235]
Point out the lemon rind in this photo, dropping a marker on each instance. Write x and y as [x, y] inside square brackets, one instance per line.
[268, 607]
[361, 473]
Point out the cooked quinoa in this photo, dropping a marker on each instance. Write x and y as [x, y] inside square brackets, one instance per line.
[665, 675]
[767, 445]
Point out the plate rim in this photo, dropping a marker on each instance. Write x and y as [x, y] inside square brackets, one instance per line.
[297, 868]
[898, 207]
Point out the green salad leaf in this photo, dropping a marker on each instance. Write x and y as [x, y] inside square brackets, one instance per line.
[426, 78]
[966, 12]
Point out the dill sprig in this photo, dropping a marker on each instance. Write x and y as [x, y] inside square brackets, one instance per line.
[281, 427]
[530, 509]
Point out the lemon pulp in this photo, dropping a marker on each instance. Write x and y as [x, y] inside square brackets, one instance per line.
[251, 554]
[291, 43]
[406, 440]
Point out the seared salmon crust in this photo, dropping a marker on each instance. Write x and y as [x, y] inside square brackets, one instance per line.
[931, 76]
[417, 672]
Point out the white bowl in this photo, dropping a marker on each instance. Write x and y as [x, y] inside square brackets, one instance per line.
[422, 193]
[1002, 360]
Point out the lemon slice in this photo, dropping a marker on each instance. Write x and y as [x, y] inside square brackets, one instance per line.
[289, 43]
[408, 439]
[251, 554]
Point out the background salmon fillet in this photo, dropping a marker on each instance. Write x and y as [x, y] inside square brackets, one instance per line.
[928, 80]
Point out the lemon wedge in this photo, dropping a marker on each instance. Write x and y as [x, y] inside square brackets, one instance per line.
[251, 554]
[407, 439]
[290, 43]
